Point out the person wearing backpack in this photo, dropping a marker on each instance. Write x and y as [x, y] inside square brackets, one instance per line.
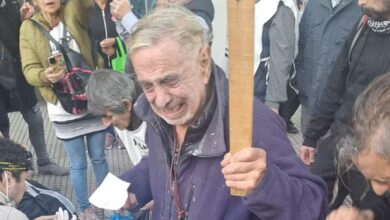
[66, 22]
[15, 93]
[364, 57]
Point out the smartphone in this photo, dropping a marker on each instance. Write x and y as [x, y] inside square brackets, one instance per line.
[56, 60]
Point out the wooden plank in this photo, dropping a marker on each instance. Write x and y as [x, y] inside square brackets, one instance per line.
[241, 49]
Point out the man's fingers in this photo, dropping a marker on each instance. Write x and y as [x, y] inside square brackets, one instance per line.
[307, 155]
[249, 154]
[226, 159]
[241, 185]
[311, 153]
[242, 167]
[242, 176]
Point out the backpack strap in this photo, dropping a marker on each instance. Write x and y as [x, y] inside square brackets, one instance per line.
[362, 24]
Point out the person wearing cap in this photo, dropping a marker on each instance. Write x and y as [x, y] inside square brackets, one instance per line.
[15, 161]
[15, 164]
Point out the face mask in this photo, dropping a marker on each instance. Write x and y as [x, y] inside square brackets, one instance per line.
[8, 201]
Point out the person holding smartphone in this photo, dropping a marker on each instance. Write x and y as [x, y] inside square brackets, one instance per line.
[21, 96]
[81, 133]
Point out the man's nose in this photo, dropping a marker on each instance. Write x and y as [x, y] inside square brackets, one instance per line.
[161, 96]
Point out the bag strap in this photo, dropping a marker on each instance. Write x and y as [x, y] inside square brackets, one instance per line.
[120, 46]
[47, 34]
[61, 47]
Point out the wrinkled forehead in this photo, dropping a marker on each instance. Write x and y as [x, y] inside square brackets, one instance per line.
[167, 57]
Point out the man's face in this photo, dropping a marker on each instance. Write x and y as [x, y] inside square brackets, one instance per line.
[376, 170]
[16, 189]
[120, 121]
[378, 10]
[174, 80]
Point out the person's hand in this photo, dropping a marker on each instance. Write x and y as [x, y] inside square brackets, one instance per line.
[107, 46]
[119, 8]
[245, 169]
[108, 42]
[109, 51]
[64, 215]
[307, 155]
[55, 74]
[345, 213]
[26, 11]
[131, 202]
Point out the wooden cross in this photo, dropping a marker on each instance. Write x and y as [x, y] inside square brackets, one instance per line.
[241, 49]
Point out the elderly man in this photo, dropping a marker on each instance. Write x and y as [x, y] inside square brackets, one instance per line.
[188, 171]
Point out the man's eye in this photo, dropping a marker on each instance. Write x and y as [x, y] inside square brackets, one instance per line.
[171, 81]
[147, 87]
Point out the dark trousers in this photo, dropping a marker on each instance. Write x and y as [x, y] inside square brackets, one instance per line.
[287, 109]
[33, 117]
[352, 182]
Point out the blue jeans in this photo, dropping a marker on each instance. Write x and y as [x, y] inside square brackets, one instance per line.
[75, 148]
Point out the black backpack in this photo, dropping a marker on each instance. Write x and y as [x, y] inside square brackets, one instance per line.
[38, 201]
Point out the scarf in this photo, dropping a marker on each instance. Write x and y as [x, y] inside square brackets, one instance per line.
[380, 27]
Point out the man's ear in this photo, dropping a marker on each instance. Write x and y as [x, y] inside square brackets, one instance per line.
[128, 104]
[205, 63]
[5, 177]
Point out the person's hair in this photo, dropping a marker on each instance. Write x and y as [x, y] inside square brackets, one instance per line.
[106, 89]
[11, 152]
[369, 129]
[173, 22]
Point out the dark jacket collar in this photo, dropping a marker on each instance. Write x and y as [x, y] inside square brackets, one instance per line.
[206, 138]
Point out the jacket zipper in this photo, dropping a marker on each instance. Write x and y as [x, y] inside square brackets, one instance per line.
[189, 201]
[106, 33]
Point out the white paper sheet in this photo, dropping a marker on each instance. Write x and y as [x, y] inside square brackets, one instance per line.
[111, 194]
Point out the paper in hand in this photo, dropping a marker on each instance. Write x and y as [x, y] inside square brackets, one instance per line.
[111, 194]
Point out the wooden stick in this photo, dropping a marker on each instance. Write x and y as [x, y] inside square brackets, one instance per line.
[241, 49]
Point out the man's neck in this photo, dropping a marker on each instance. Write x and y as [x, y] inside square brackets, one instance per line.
[180, 131]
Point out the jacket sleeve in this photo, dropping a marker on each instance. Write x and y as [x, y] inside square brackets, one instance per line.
[288, 190]
[138, 177]
[302, 43]
[31, 64]
[331, 98]
[282, 50]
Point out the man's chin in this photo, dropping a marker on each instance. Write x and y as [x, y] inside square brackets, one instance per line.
[375, 16]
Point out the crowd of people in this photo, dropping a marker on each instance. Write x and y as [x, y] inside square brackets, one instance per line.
[152, 70]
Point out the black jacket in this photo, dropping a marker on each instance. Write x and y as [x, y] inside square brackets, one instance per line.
[101, 26]
[23, 95]
[370, 58]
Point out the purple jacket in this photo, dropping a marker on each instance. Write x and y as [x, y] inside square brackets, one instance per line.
[288, 190]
